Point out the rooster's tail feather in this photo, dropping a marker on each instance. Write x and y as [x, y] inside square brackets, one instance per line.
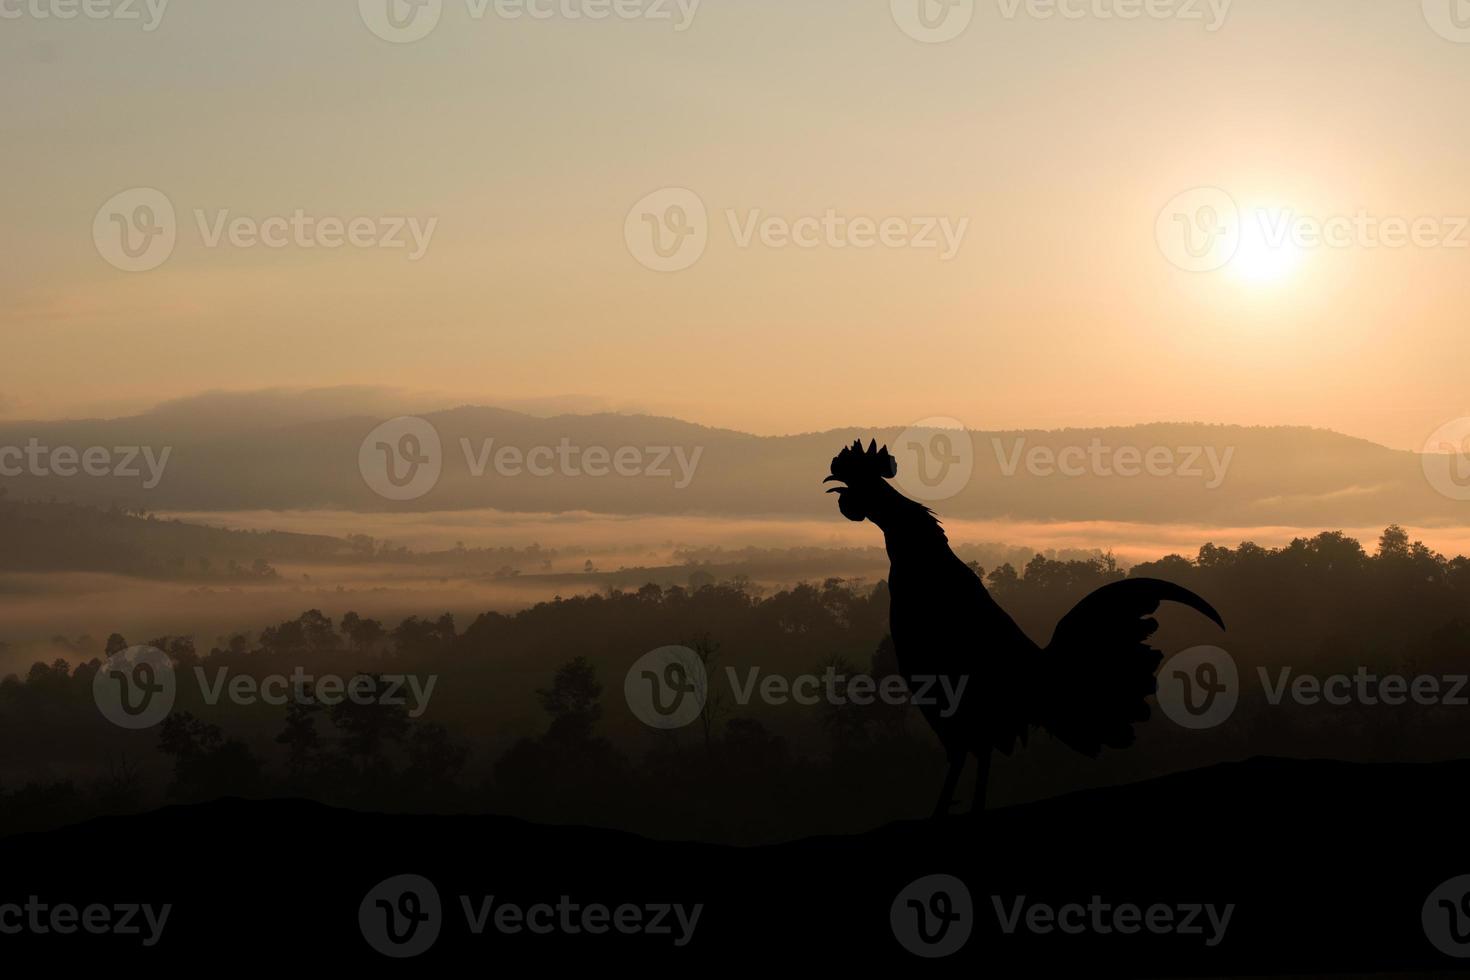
[1099, 669]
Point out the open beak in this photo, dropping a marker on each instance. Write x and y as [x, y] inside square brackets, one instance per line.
[834, 479]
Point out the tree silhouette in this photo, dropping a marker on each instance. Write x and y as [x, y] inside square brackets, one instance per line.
[368, 725]
[206, 763]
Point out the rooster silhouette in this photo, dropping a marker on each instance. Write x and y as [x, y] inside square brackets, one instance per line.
[1086, 688]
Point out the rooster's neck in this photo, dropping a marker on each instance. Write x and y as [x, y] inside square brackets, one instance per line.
[910, 530]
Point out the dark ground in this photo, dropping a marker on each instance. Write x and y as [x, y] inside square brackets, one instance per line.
[1328, 866]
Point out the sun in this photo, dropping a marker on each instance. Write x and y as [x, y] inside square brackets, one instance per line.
[1264, 258]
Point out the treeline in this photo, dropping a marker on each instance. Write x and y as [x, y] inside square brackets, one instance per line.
[50, 536]
[527, 714]
[54, 536]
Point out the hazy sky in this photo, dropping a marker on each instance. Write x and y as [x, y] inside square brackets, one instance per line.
[1053, 143]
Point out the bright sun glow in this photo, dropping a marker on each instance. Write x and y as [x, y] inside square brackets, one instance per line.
[1265, 254]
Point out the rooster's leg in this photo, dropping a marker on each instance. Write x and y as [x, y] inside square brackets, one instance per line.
[951, 780]
[982, 776]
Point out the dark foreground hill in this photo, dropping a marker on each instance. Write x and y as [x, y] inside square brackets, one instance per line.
[1254, 868]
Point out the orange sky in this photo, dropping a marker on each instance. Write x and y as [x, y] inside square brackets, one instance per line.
[1054, 142]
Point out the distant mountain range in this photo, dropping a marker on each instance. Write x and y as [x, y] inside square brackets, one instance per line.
[230, 453]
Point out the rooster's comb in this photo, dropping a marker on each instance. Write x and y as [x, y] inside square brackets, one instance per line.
[855, 463]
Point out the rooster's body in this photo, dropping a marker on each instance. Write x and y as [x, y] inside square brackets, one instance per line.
[1087, 687]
